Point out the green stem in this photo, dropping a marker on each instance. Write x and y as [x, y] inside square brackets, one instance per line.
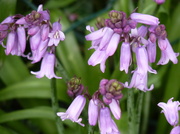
[90, 130]
[139, 105]
[134, 111]
[131, 112]
[146, 112]
[62, 71]
[55, 106]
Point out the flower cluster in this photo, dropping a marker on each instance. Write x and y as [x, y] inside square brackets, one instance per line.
[42, 36]
[99, 110]
[170, 110]
[138, 41]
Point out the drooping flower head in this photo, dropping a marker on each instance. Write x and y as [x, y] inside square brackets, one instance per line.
[106, 123]
[74, 110]
[139, 81]
[105, 40]
[170, 110]
[47, 67]
[16, 36]
[125, 57]
[111, 90]
[159, 33]
[93, 111]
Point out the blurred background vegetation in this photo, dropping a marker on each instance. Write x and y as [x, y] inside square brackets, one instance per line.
[25, 104]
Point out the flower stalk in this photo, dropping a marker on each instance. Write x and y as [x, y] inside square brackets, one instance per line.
[55, 106]
[131, 112]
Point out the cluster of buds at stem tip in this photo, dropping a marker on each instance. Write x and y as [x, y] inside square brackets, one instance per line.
[43, 37]
[99, 110]
[75, 87]
[141, 41]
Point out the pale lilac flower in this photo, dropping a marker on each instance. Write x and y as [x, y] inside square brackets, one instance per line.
[170, 110]
[139, 81]
[167, 53]
[12, 46]
[125, 57]
[98, 57]
[138, 37]
[74, 110]
[175, 130]
[106, 123]
[142, 61]
[104, 39]
[33, 30]
[8, 20]
[115, 109]
[47, 67]
[10, 42]
[113, 44]
[144, 19]
[159, 1]
[21, 38]
[95, 35]
[151, 50]
[105, 42]
[93, 112]
[3, 32]
[44, 31]
[56, 35]
[38, 53]
[163, 43]
[139, 32]
[35, 40]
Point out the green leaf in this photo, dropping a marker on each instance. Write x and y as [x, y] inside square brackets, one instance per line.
[57, 3]
[13, 70]
[2, 57]
[124, 5]
[7, 8]
[41, 112]
[173, 26]
[5, 130]
[29, 88]
[123, 123]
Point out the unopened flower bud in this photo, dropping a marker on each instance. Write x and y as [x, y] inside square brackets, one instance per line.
[100, 23]
[75, 87]
[37, 15]
[110, 90]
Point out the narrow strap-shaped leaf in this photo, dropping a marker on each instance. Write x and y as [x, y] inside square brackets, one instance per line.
[46, 113]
